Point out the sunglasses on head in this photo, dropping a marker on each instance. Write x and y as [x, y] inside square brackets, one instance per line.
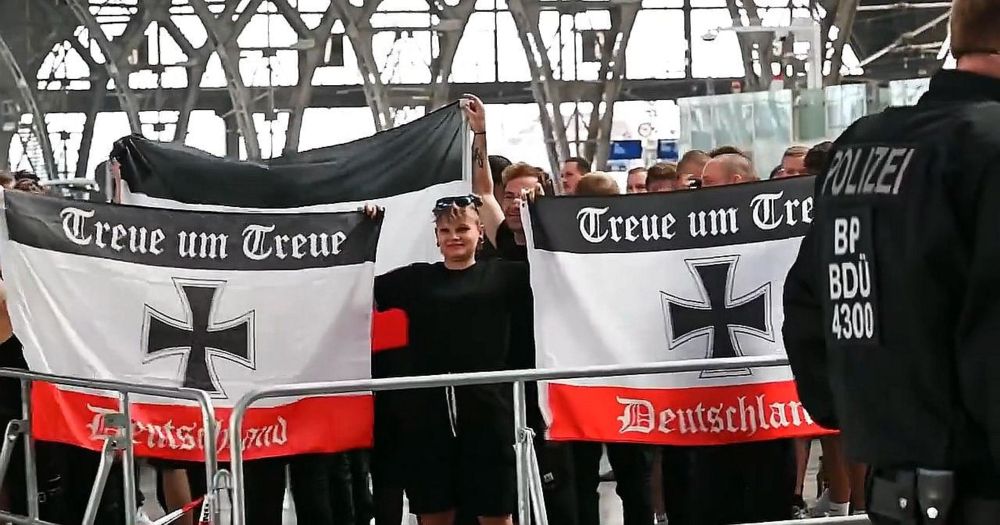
[461, 201]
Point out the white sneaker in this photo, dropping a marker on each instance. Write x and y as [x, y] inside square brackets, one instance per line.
[143, 519]
[822, 505]
[838, 510]
[825, 508]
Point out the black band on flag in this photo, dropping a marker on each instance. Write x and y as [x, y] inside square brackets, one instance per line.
[195, 240]
[411, 157]
[680, 220]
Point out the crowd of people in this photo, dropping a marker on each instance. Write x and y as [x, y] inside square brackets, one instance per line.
[449, 451]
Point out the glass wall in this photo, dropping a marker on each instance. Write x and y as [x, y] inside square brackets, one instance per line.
[760, 123]
[765, 123]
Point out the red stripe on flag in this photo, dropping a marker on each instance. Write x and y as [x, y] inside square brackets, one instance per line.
[310, 425]
[389, 330]
[679, 416]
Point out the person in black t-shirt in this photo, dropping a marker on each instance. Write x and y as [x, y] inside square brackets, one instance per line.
[459, 321]
[501, 218]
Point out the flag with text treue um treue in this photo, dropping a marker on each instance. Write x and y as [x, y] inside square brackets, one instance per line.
[405, 170]
[668, 276]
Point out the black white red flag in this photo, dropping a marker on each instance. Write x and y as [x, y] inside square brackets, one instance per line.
[405, 169]
[221, 302]
[660, 277]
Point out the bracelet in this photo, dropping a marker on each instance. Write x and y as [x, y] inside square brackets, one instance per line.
[478, 132]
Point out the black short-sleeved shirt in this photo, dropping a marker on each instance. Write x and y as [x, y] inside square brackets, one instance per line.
[507, 248]
[460, 321]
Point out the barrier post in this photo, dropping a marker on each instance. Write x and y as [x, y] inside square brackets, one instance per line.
[222, 483]
[128, 461]
[537, 494]
[236, 458]
[13, 431]
[211, 454]
[521, 453]
[101, 480]
[30, 474]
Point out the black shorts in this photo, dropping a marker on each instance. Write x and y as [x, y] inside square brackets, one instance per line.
[472, 468]
[471, 471]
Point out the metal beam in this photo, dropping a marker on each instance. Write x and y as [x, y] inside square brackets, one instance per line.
[905, 38]
[607, 57]
[903, 6]
[5, 138]
[309, 60]
[126, 96]
[448, 42]
[352, 96]
[294, 20]
[357, 25]
[221, 32]
[39, 129]
[83, 156]
[194, 75]
[754, 82]
[526, 19]
[843, 20]
[613, 82]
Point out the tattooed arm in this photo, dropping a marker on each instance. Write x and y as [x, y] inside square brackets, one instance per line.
[482, 181]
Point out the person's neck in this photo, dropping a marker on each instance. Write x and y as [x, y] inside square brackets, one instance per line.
[459, 264]
[980, 64]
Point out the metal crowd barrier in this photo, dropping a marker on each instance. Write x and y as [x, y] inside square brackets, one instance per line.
[113, 444]
[528, 482]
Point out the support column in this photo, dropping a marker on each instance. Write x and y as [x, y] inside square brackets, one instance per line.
[113, 62]
[765, 55]
[357, 24]
[843, 20]
[612, 73]
[526, 18]
[309, 60]
[97, 90]
[222, 34]
[38, 149]
[453, 20]
[5, 138]
[232, 136]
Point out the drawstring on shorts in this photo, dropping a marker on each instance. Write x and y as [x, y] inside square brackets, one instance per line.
[449, 394]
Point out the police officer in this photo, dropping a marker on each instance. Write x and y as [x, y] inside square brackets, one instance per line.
[892, 309]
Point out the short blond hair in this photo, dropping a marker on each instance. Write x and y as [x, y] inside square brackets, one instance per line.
[597, 183]
[975, 27]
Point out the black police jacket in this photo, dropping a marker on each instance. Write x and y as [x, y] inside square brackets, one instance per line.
[892, 308]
